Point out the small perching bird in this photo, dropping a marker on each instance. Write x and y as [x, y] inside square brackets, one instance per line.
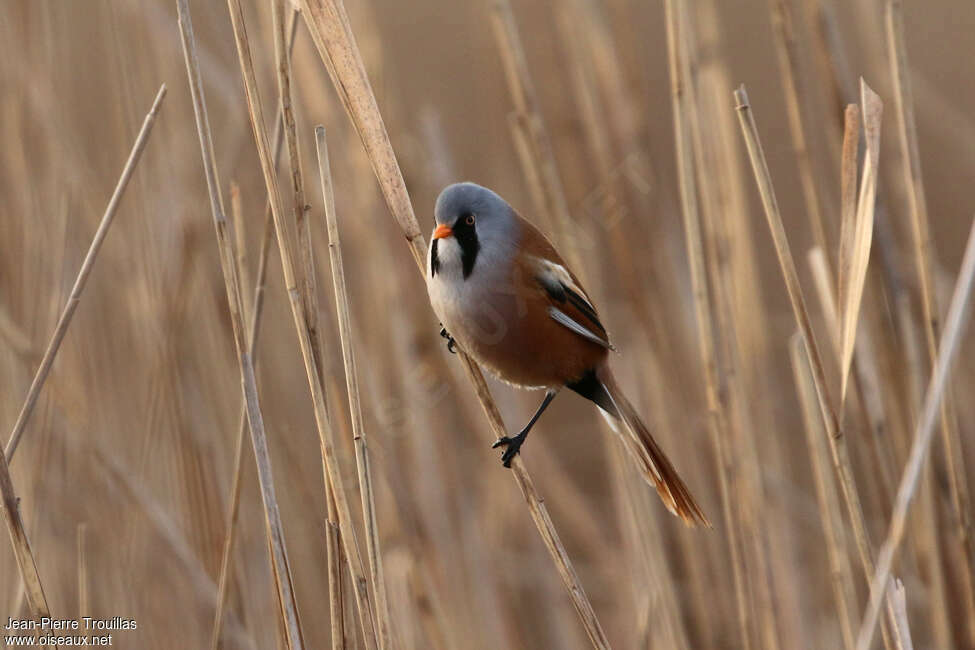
[503, 294]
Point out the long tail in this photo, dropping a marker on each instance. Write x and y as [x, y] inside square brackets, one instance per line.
[656, 467]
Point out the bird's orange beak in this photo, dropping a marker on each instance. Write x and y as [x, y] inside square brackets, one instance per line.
[441, 231]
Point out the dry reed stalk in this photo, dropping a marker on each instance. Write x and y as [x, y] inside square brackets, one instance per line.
[285, 247]
[739, 311]
[866, 383]
[540, 144]
[276, 546]
[587, 62]
[865, 378]
[717, 409]
[253, 312]
[928, 530]
[859, 234]
[835, 435]
[336, 590]
[819, 269]
[841, 576]
[594, 66]
[34, 591]
[796, 104]
[848, 206]
[283, 45]
[832, 62]
[950, 342]
[635, 502]
[518, 122]
[925, 261]
[240, 241]
[352, 385]
[84, 591]
[79, 284]
[335, 42]
[900, 609]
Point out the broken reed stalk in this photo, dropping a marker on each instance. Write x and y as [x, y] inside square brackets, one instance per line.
[352, 385]
[336, 45]
[900, 612]
[79, 284]
[717, 408]
[837, 440]
[253, 311]
[285, 243]
[841, 577]
[36, 600]
[924, 259]
[281, 572]
[848, 206]
[950, 342]
[859, 235]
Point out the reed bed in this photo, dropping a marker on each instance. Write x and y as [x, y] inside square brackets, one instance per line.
[802, 382]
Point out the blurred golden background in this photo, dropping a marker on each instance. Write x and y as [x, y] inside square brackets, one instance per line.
[125, 470]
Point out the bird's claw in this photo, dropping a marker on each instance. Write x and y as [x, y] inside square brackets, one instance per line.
[451, 343]
[512, 446]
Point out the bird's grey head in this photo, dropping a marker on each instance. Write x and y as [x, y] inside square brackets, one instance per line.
[472, 223]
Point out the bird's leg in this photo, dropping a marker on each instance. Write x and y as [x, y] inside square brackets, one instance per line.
[450, 340]
[513, 444]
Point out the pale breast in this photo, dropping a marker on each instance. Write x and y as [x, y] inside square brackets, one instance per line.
[500, 316]
[473, 309]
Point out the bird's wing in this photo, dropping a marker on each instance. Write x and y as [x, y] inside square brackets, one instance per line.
[570, 307]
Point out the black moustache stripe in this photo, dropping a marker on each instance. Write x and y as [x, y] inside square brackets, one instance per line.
[469, 250]
[434, 258]
[466, 236]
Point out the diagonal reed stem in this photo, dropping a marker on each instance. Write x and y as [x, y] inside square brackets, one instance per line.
[79, 284]
[925, 260]
[844, 591]
[333, 37]
[228, 262]
[36, 600]
[950, 342]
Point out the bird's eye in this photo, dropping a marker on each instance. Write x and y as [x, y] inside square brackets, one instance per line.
[469, 220]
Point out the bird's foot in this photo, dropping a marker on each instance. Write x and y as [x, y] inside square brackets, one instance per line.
[451, 343]
[512, 445]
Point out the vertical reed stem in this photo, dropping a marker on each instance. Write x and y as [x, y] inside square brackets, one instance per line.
[285, 243]
[280, 567]
[352, 385]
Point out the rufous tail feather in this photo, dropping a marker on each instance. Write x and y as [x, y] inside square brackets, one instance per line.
[656, 467]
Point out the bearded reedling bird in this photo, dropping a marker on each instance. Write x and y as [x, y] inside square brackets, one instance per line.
[505, 296]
